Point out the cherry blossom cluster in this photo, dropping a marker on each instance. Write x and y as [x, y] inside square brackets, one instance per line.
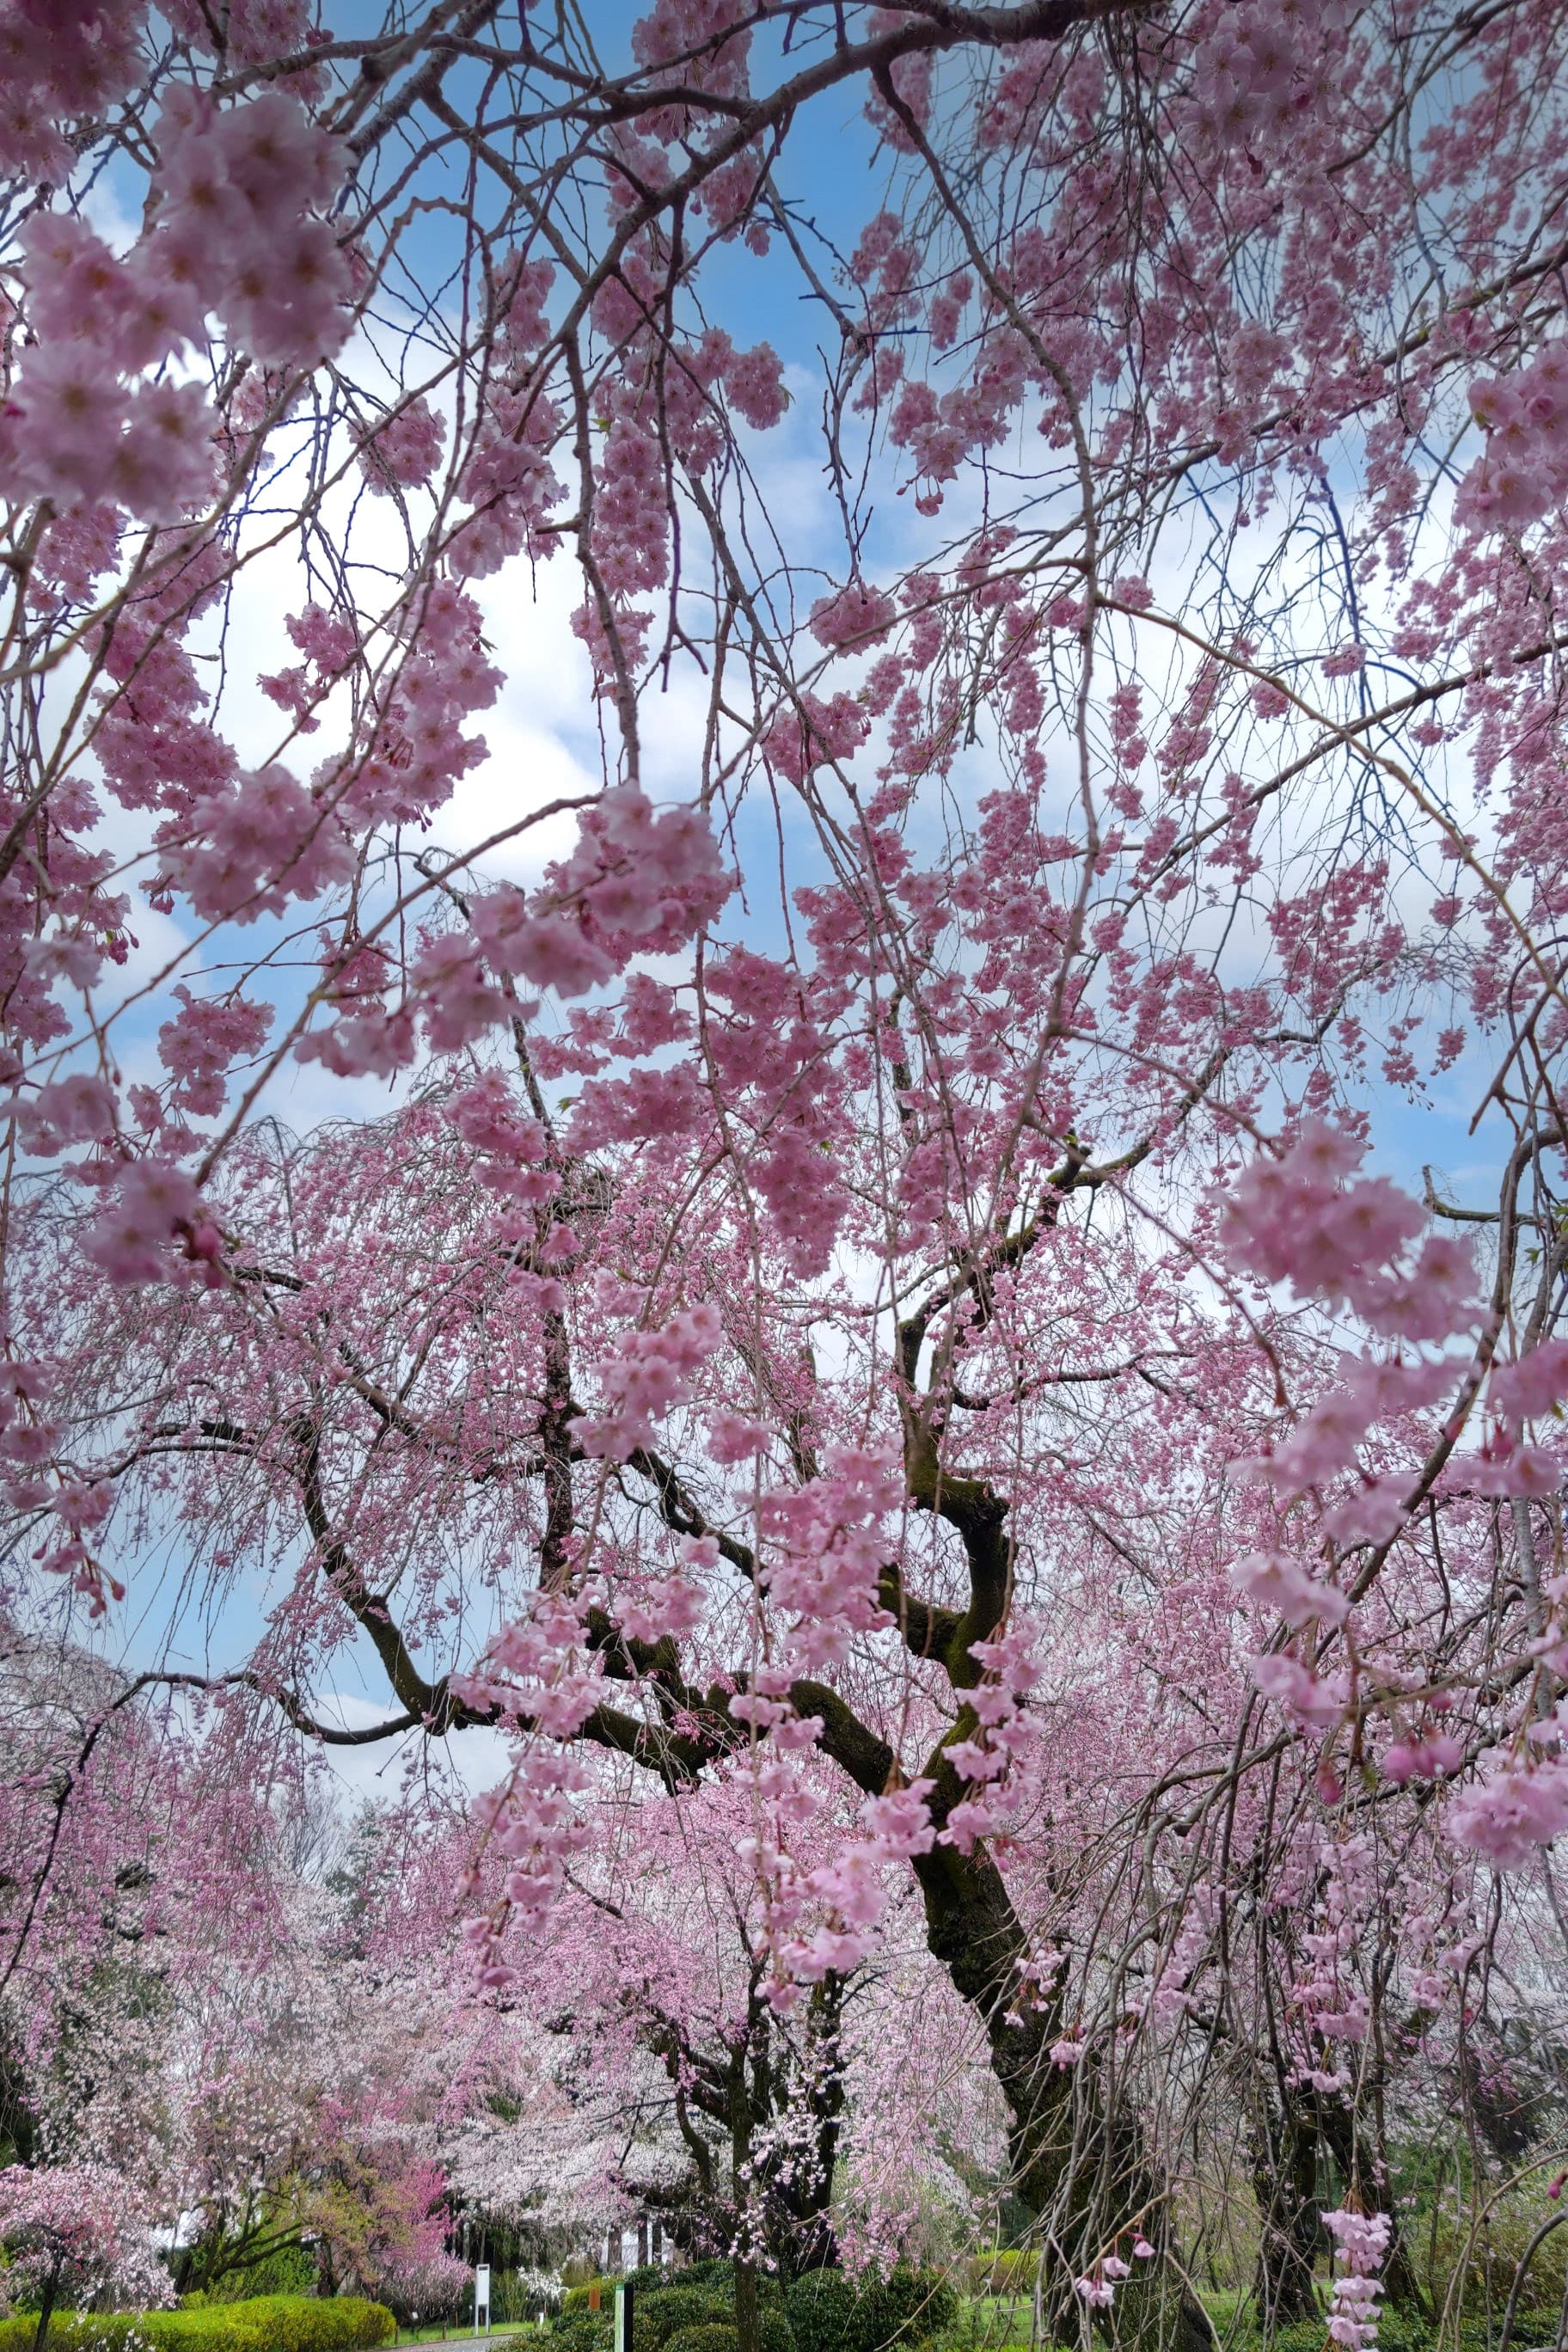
[644, 1377]
[1286, 1218]
[990, 1760]
[1523, 474]
[1518, 1802]
[1097, 2288]
[1256, 76]
[538, 1675]
[1329, 2004]
[655, 403]
[412, 750]
[638, 882]
[154, 1203]
[1297, 1219]
[705, 50]
[61, 64]
[509, 480]
[649, 1608]
[433, 2286]
[254, 843]
[74, 1512]
[826, 1917]
[74, 428]
[827, 1542]
[1361, 2248]
[403, 449]
[254, 32]
[243, 193]
[202, 1043]
[237, 231]
[510, 1148]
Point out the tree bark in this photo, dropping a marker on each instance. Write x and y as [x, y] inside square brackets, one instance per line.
[745, 2305]
[740, 2147]
[1401, 2285]
[1285, 2178]
[810, 2244]
[1089, 2189]
[47, 2307]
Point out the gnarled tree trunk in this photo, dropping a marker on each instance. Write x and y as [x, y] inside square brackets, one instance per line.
[1091, 2184]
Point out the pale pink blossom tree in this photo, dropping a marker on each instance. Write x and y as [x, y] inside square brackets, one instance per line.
[76, 2232]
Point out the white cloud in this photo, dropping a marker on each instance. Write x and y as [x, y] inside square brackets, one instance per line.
[476, 1758]
[528, 768]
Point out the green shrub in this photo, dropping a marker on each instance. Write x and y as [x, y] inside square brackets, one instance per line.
[1301, 2335]
[717, 2271]
[1003, 2269]
[821, 2308]
[684, 2303]
[581, 2330]
[980, 2327]
[667, 2310]
[708, 2335]
[576, 2298]
[290, 2271]
[1486, 2259]
[1533, 2327]
[831, 2313]
[908, 2305]
[775, 2333]
[268, 2323]
[1402, 2331]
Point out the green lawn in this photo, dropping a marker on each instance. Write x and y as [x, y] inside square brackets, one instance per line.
[459, 2332]
[1002, 2320]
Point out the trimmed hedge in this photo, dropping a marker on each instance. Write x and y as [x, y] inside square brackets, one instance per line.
[580, 2330]
[669, 2311]
[1401, 2331]
[665, 2317]
[821, 2312]
[267, 2322]
[1003, 2269]
[831, 2313]
[716, 2272]
[576, 2298]
[708, 2335]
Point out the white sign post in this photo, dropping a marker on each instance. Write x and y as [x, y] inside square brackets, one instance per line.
[483, 2296]
[623, 2296]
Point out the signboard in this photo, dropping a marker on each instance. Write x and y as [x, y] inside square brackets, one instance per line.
[624, 2299]
[481, 2297]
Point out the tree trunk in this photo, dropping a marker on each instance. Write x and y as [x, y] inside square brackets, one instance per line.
[1079, 2160]
[47, 2307]
[812, 2244]
[1401, 2284]
[740, 2179]
[1285, 2176]
[745, 2305]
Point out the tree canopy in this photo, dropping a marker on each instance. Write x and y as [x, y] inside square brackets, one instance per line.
[782, 970]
